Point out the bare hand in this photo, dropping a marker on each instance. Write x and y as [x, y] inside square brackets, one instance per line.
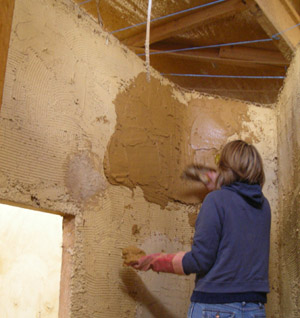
[211, 184]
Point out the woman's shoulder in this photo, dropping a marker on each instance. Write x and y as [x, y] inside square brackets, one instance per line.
[217, 193]
[220, 197]
[215, 196]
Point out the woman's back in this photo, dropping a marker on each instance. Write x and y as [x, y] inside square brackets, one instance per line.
[237, 231]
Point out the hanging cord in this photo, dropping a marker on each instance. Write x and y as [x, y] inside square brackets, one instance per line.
[147, 45]
[165, 16]
[147, 53]
[274, 36]
[100, 21]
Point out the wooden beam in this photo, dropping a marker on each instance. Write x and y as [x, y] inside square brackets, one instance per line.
[291, 7]
[296, 5]
[237, 56]
[282, 16]
[182, 24]
[254, 55]
[6, 15]
[270, 30]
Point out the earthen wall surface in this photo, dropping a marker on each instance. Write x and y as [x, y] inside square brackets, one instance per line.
[83, 133]
[289, 191]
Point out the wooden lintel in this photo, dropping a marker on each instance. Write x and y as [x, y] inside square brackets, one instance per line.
[180, 25]
[66, 267]
[281, 16]
[238, 56]
[6, 15]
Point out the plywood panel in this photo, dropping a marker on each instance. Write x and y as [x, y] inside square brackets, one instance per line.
[30, 262]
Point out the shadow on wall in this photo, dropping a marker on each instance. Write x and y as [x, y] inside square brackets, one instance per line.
[136, 289]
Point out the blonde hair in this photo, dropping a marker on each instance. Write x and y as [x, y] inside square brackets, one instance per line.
[240, 162]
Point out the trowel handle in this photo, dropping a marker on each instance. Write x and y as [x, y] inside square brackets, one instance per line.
[198, 172]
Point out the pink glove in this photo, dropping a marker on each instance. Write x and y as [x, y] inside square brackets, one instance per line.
[159, 262]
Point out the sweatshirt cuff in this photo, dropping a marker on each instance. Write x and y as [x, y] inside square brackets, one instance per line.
[187, 263]
[177, 263]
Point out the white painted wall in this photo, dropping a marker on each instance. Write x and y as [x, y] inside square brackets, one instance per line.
[30, 263]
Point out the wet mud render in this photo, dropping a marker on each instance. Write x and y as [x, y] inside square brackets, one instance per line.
[156, 136]
[132, 254]
[192, 219]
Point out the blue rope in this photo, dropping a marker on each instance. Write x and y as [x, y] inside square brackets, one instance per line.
[84, 2]
[166, 16]
[276, 36]
[207, 46]
[273, 37]
[223, 76]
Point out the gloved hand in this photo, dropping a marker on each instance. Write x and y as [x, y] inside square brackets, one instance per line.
[160, 262]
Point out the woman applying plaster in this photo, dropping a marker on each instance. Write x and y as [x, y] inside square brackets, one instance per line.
[230, 251]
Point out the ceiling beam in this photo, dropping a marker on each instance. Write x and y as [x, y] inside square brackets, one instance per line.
[296, 5]
[281, 16]
[254, 55]
[182, 24]
[237, 56]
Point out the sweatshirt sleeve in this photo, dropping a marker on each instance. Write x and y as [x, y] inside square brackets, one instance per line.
[207, 236]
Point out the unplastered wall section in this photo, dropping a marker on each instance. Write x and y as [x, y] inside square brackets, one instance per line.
[289, 190]
[83, 133]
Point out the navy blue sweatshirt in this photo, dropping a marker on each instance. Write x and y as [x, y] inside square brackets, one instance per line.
[230, 252]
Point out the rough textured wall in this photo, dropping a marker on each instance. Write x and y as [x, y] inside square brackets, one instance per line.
[156, 137]
[289, 190]
[66, 84]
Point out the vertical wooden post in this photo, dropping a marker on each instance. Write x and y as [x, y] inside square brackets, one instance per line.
[66, 267]
[6, 16]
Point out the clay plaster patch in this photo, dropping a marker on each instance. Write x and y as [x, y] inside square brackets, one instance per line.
[192, 217]
[156, 136]
[146, 148]
[83, 178]
[132, 254]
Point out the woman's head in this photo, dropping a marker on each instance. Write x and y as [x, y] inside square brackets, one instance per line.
[240, 162]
